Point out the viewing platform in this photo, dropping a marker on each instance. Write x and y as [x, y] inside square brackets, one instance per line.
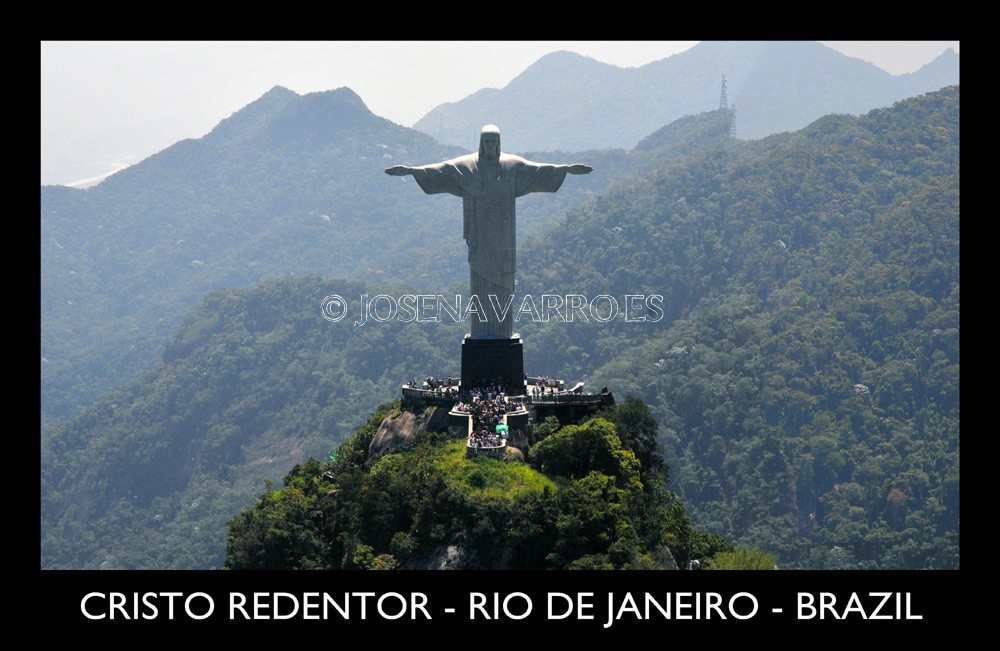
[484, 447]
[433, 391]
[536, 399]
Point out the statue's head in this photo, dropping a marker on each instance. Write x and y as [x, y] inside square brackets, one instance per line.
[489, 142]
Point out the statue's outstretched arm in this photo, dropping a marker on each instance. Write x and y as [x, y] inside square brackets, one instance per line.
[398, 170]
[577, 168]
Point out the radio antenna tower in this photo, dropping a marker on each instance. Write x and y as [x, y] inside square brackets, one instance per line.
[723, 101]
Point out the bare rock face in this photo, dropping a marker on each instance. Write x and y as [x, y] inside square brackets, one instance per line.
[667, 557]
[451, 556]
[397, 430]
[519, 440]
[514, 454]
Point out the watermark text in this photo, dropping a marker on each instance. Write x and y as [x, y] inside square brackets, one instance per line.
[435, 308]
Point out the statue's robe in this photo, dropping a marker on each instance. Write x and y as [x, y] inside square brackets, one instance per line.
[488, 190]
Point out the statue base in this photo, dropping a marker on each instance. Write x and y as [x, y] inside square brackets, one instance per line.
[493, 361]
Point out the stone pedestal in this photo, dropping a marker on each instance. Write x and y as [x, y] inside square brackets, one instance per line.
[486, 361]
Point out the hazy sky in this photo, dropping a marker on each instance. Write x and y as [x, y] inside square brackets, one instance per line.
[105, 105]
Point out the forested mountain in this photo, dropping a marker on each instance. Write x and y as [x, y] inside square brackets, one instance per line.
[804, 376]
[290, 184]
[572, 102]
[287, 185]
[586, 501]
[807, 372]
[93, 516]
[253, 382]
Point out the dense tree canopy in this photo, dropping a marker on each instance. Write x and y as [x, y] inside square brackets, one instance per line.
[586, 509]
[806, 375]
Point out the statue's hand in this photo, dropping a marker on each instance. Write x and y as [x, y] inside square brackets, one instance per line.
[398, 170]
[579, 169]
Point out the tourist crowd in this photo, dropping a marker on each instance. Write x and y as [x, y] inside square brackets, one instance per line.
[487, 405]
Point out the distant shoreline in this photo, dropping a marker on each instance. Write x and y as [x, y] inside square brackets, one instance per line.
[94, 180]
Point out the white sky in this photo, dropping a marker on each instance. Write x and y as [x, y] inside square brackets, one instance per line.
[105, 105]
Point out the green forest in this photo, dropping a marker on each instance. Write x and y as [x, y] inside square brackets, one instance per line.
[807, 381]
[804, 378]
[585, 501]
[253, 382]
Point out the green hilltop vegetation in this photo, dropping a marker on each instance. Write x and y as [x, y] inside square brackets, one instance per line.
[805, 376]
[584, 502]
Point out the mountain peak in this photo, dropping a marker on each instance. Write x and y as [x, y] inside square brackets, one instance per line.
[343, 95]
[564, 61]
[946, 60]
[570, 102]
[948, 54]
[284, 112]
[256, 113]
[942, 71]
[279, 91]
[563, 55]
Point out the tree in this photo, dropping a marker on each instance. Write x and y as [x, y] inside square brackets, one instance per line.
[741, 559]
[575, 451]
[637, 430]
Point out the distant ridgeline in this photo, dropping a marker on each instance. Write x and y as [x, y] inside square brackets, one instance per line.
[572, 102]
[804, 377]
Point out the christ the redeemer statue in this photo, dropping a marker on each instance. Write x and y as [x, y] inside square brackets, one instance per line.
[489, 182]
